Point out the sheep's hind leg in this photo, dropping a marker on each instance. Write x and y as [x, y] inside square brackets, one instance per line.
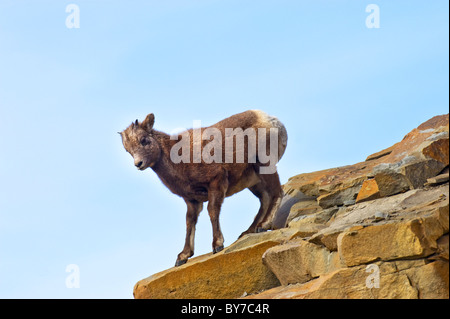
[259, 190]
[273, 188]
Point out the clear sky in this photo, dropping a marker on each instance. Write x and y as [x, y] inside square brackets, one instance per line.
[70, 194]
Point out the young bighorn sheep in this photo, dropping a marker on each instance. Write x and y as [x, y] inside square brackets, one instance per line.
[234, 165]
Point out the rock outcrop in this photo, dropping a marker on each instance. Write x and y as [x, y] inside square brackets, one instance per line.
[375, 229]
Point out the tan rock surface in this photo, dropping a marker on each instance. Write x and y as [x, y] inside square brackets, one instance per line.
[396, 280]
[390, 241]
[299, 261]
[223, 275]
[369, 191]
[337, 185]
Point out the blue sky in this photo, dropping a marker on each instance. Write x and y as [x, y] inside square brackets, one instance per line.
[70, 194]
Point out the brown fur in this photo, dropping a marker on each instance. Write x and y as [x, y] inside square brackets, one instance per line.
[200, 182]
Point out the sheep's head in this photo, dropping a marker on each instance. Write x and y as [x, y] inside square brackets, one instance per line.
[138, 140]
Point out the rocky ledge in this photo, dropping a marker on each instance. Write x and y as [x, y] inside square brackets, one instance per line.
[375, 229]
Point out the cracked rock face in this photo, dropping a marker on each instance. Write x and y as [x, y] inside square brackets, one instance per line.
[422, 154]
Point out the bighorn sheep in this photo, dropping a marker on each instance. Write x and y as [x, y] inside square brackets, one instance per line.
[228, 163]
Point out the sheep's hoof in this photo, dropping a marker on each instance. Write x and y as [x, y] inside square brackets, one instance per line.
[180, 262]
[217, 249]
[260, 230]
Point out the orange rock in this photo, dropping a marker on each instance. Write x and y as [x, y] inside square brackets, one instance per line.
[394, 240]
[438, 150]
[380, 154]
[222, 275]
[439, 120]
[332, 182]
[351, 283]
[369, 191]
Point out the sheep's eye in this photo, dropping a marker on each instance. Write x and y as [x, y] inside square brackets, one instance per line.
[145, 141]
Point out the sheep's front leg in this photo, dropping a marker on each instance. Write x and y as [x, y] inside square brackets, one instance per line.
[193, 210]
[214, 205]
[216, 195]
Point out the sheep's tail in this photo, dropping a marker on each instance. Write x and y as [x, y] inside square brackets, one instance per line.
[282, 136]
[270, 121]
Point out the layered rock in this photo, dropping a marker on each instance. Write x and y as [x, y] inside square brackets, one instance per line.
[234, 272]
[405, 279]
[423, 153]
[376, 229]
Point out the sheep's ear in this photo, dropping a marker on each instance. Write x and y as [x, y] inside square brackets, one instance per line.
[148, 122]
